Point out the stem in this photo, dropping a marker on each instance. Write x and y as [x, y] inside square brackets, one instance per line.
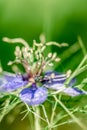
[2, 114]
[82, 45]
[34, 113]
[7, 108]
[31, 121]
[63, 123]
[70, 114]
[82, 69]
[60, 117]
[53, 113]
[37, 120]
[78, 70]
[45, 114]
[82, 62]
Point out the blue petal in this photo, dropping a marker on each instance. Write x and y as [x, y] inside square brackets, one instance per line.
[8, 76]
[57, 83]
[58, 78]
[13, 82]
[34, 96]
[73, 91]
[2, 83]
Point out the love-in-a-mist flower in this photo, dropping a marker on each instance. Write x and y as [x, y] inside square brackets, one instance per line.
[34, 85]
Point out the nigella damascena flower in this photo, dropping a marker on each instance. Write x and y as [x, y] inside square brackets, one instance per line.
[35, 84]
[36, 95]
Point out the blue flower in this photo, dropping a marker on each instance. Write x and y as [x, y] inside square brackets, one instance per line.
[35, 95]
[34, 85]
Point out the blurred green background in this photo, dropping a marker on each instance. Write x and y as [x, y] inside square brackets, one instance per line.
[59, 20]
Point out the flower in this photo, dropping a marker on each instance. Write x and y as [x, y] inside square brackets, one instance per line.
[35, 83]
[35, 95]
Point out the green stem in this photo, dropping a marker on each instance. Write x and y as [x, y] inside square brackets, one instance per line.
[34, 113]
[70, 114]
[59, 117]
[78, 70]
[31, 121]
[53, 113]
[45, 114]
[7, 108]
[63, 123]
[37, 120]
[2, 114]
[82, 45]
[82, 69]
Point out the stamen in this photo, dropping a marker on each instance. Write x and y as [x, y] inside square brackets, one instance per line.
[33, 59]
[57, 59]
[54, 56]
[50, 55]
[68, 73]
[42, 38]
[53, 43]
[18, 52]
[16, 40]
[10, 62]
[43, 48]
[50, 64]
[32, 80]
[52, 75]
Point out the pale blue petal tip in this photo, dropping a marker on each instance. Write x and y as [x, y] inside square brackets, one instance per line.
[14, 83]
[73, 91]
